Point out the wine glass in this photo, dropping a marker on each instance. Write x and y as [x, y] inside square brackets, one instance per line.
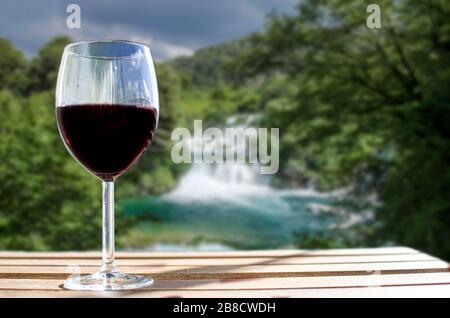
[107, 109]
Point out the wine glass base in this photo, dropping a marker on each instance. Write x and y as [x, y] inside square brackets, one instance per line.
[103, 281]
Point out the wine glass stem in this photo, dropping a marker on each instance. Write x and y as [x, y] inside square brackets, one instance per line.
[108, 227]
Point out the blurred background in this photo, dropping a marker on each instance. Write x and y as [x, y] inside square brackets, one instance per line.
[363, 115]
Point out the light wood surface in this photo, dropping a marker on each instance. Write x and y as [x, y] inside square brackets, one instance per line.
[374, 272]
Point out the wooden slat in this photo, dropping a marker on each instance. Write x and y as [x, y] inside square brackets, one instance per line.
[433, 291]
[233, 271]
[254, 253]
[222, 261]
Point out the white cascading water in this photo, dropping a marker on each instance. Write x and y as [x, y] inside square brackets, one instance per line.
[227, 181]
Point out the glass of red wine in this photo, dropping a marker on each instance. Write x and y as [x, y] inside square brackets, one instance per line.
[107, 109]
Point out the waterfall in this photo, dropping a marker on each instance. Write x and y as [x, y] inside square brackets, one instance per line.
[226, 181]
[230, 181]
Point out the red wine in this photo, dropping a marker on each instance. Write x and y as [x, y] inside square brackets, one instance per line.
[107, 139]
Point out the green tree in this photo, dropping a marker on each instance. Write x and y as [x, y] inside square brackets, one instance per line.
[43, 69]
[366, 108]
[47, 201]
[12, 66]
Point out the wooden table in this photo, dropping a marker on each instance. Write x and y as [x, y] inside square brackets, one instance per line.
[375, 272]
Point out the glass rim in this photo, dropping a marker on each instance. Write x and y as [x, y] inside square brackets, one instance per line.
[68, 48]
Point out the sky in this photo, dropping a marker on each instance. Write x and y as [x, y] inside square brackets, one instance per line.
[171, 27]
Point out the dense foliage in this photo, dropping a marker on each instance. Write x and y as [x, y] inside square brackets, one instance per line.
[366, 108]
[208, 67]
[12, 63]
[47, 200]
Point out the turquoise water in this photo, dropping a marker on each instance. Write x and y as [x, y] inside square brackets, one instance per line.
[270, 220]
[231, 204]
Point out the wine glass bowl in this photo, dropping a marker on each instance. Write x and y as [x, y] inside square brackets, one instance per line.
[107, 139]
[107, 109]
